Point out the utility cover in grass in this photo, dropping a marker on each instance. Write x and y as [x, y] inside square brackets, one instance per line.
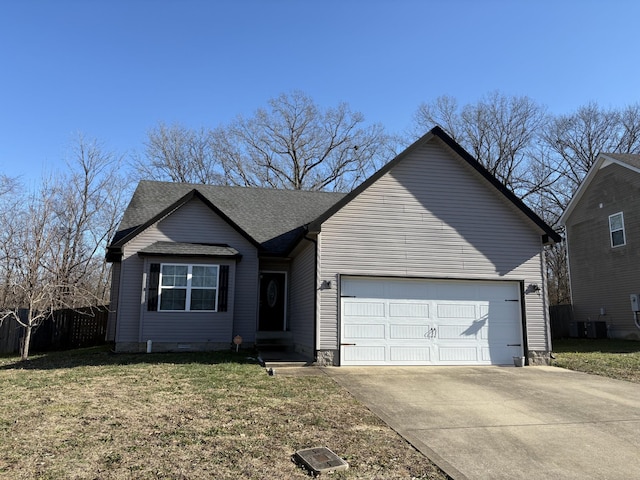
[320, 460]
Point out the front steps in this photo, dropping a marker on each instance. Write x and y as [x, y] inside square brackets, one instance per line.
[279, 341]
[276, 350]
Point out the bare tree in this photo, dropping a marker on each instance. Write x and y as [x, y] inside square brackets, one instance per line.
[502, 132]
[88, 202]
[292, 144]
[295, 144]
[8, 206]
[178, 154]
[579, 137]
[558, 274]
[30, 251]
[55, 237]
[576, 139]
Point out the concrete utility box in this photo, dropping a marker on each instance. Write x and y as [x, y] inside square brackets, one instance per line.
[320, 460]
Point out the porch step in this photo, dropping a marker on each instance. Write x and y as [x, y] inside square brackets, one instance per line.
[285, 361]
[274, 341]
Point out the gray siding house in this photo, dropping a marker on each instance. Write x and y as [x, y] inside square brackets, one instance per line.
[602, 225]
[431, 261]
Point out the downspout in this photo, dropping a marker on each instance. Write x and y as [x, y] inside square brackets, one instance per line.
[545, 298]
[523, 314]
[315, 292]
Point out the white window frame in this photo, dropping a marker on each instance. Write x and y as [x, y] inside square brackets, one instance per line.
[189, 288]
[612, 231]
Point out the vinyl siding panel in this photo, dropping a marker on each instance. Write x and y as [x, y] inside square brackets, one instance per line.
[113, 301]
[603, 276]
[432, 216]
[130, 298]
[193, 222]
[301, 297]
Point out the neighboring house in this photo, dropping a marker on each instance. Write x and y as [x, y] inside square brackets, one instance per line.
[430, 261]
[602, 224]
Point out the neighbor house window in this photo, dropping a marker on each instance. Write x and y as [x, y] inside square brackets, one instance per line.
[616, 229]
[188, 287]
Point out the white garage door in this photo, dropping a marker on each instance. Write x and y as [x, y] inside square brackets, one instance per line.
[429, 322]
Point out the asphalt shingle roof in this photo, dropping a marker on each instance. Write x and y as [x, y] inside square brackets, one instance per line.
[272, 218]
[191, 249]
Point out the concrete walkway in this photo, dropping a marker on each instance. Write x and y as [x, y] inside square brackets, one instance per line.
[506, 422]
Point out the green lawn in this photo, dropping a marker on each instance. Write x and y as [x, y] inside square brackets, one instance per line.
[90, 414]
[610, 358]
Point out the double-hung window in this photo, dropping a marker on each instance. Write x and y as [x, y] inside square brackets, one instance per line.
[616, 229]
[188, 287]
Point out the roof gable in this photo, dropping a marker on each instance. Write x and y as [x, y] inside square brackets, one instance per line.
[629, 161]
[549, 236]
[272, 220]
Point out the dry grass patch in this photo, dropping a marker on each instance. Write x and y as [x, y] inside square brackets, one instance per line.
[618, 359]
[93, 415]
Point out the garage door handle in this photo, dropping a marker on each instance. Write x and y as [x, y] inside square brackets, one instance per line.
[514, 344]
[348, 344]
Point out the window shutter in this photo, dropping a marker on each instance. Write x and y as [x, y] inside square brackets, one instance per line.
[154, 283]
[223, 288]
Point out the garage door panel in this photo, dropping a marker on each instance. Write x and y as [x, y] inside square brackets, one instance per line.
[413, 332]
[409, 355]
[459, 332]
[374, 355]
[456, 311]
[501, 307]
[443, 322]
[499, 333]
[409, 310]
[358, 331]
[365, 309]
[458, 354]
[486, 354]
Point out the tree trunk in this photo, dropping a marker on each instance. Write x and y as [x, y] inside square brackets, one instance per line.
[26, 342]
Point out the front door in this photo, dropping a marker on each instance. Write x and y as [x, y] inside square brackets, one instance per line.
[272, 301]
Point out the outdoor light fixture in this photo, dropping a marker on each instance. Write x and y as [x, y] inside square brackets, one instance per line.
[532, 288]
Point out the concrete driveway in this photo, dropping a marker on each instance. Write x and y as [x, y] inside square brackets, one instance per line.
[506, 422]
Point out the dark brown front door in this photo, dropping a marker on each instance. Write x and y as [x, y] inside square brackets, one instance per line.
[272, 301]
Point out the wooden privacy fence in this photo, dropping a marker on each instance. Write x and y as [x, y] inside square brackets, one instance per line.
[10, 333]
[561, 317]
[66, 329]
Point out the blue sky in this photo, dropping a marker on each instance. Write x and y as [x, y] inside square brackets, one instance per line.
[114, 69]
